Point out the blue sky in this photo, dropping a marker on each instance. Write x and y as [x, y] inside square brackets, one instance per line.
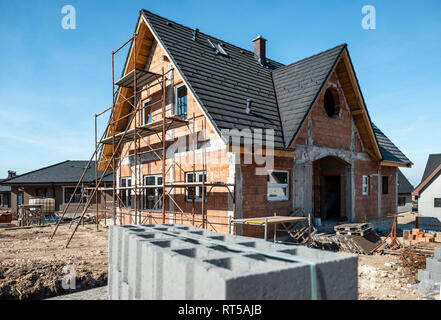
[53, 81]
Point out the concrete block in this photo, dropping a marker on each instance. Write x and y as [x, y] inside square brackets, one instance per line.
[438, 253]
[425, 275]
[433, 265]
[185, 262]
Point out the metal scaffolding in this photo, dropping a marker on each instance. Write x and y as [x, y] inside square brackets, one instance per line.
[138, 81]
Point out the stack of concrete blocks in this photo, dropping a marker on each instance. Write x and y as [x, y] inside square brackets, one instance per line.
[430, 279]
[147, 264]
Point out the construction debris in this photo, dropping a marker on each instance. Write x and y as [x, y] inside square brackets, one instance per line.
[430, 278]
[350, 243]
[353, 237]
[418, 235]
[412, 259]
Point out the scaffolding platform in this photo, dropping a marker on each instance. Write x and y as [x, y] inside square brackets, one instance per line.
[143, 78]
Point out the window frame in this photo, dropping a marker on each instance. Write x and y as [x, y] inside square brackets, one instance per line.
[157, 187]
[128, 193]
[176, 90]
[144, 106]
[40, 189]
[435, 204]
[365, 184]
[198, 190]
[66, 201]
[278, 185]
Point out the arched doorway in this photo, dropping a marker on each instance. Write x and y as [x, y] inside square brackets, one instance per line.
[331, 189]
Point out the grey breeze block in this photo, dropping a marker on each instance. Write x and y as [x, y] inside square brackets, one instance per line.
[183, 262]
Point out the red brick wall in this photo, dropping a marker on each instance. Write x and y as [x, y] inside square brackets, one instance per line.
[366, 205]
[336, 133]
[388, 201]
[255, 201]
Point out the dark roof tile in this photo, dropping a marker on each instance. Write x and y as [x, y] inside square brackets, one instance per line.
[404, 186]
[389, 151]
[282, 95]
[63, 172]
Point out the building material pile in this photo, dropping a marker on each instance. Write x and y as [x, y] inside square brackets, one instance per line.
[354, 237]
[430, 278]
[359, 229]
[183, 262]
[418, 235]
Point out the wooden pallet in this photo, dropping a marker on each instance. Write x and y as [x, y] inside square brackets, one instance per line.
[352, 227]
[355, 232]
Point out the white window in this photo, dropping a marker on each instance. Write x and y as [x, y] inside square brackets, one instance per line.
[195, 192]
[181, 101]
[278, 185]
[125, 194]
[365, 185]
[146, 111]
[153, 196]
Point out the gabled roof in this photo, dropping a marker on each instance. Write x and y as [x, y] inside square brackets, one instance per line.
[388, 149]
[404, 186]
[432, 171]
[222, 83]
[433, 162]
[282, 95]
[63, 172]
[298, 84]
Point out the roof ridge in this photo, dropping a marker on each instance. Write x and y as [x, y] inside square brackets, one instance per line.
[210, 36]
[343, 45]
[33, 171]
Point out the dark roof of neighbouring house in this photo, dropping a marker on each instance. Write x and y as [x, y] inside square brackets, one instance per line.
[64, 172]
[281, 95]
[404, 186]
[433, 162]
[4, 188]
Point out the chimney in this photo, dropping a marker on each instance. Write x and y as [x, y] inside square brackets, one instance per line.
[260, 49]
[11, 174]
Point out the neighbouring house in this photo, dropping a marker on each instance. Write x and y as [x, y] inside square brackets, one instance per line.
[428, 192]
[57, 181]
[5, 192]
[329, 158]
[405, 190]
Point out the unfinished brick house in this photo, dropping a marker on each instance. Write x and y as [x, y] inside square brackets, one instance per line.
[329, 158]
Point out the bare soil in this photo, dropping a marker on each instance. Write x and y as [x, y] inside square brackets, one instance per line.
[31, 265]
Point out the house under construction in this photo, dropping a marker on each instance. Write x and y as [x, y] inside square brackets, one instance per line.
[183, 100]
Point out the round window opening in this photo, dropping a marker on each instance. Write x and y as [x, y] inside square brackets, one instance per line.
[331, 103]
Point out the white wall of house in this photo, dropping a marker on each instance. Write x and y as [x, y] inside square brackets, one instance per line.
[426, 205]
